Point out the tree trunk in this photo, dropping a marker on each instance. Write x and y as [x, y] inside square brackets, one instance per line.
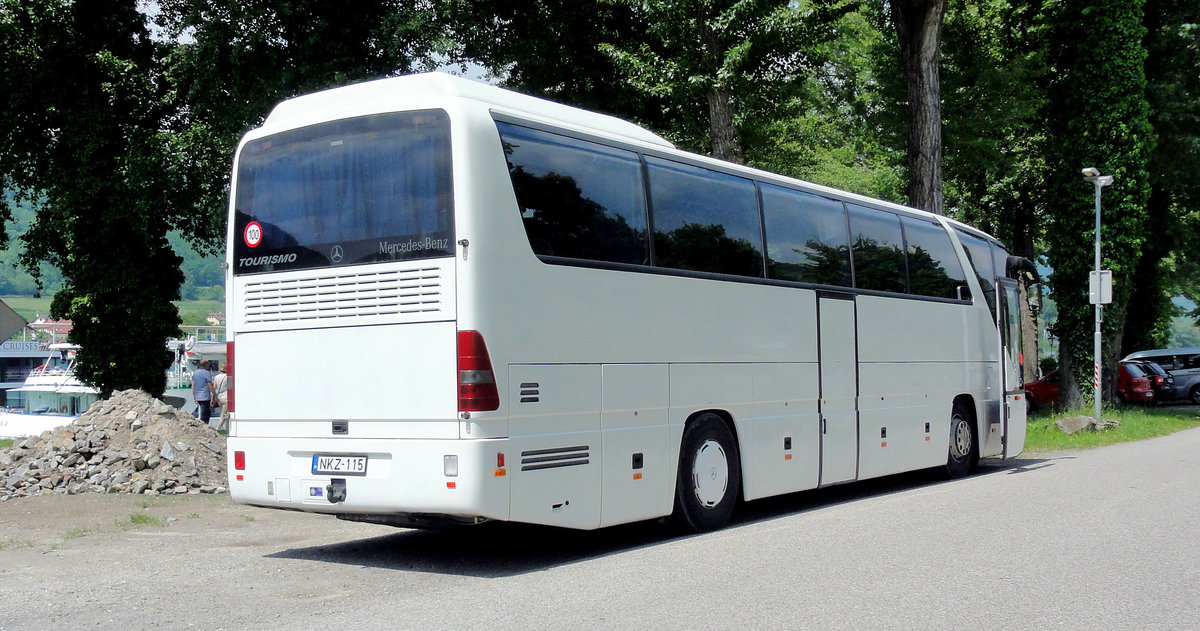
[919, 27]
[725, 145]
[721, 112]
[1068, 389]
[1029, 336]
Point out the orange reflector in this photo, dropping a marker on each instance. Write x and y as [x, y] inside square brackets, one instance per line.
[240, 478]
[637, 476]
[883, 444]
[500, 473]
[787, 456]
[926, 439]
[451, 485]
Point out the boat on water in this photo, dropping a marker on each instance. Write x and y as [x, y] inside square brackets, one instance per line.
[53, 396]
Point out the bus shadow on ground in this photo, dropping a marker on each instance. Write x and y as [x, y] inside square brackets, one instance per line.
[498, 550]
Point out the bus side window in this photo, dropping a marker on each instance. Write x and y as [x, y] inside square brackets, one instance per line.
[704, 220]
[806, 237]
[933, 267]
[980, 255]
[578, 199]
[877, 245]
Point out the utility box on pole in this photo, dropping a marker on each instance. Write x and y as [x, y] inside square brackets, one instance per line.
[1100, 287]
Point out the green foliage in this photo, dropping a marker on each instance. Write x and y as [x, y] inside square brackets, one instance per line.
[733, 60]
[832, 126]
[993, 56]
[1098, 116]
[86, 149]
[1169, 265]
[242, 57]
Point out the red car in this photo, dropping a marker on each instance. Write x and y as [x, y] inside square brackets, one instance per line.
[1042, 392]
[1134, 384]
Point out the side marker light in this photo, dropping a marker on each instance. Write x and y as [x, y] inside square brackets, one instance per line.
[500, 473]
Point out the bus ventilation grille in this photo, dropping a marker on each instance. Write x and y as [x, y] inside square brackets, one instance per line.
[535, 459]
[337, 296]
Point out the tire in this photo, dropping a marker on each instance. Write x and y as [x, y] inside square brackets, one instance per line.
[963, 443]
[710, 475]
[1194, 394]
[1030, 406]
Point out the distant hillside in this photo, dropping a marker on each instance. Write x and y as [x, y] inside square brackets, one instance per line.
[204, 278]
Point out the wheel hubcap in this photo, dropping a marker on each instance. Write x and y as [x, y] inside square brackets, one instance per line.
[710, 473]
[961, 441]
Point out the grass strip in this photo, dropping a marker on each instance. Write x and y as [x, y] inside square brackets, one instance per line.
[1137, 423]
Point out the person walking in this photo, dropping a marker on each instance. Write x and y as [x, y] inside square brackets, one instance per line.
[220, 398]
[202, 391]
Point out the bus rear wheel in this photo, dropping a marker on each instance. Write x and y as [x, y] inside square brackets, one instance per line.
[710, 475]
[962, 443]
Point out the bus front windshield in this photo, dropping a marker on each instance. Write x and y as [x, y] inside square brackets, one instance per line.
[360, 190]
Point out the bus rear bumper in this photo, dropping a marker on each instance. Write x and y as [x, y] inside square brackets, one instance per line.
[458, 478]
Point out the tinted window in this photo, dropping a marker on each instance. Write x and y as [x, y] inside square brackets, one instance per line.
[878, 248]
[1134, 370]
[806, 237]
[1000, 261]
[979, 252]
[933, 267]
[578, 199]
[704, 220]
[374, 188]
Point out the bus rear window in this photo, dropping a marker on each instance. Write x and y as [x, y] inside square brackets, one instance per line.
[359, 190]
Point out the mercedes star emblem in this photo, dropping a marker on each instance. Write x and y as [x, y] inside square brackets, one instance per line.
[336, 254]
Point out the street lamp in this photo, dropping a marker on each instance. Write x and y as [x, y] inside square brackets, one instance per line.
[1092, 174]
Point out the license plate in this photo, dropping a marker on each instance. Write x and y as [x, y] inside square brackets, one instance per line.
[339, 465]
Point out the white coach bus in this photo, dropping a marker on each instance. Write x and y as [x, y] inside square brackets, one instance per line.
[452, 302]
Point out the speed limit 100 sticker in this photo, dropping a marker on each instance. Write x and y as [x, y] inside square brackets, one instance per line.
[253, 234]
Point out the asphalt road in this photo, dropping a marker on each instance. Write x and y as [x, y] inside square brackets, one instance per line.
[1100, 539]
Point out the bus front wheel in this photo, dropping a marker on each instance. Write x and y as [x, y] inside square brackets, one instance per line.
[710, 475]
[962, 443]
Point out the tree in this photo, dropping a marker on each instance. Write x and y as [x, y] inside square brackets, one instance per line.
[241, 57]
[1097, 115]
[918, 26]
[84, 144]
[712, 55]
[1168, 266]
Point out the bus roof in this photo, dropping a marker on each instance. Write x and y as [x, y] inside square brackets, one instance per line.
[386, 94]
[395, 93]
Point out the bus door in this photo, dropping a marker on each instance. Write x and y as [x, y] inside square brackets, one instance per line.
[838, 354]
[1012, 412]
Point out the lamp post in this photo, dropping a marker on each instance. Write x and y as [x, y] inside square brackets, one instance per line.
[1092, 174]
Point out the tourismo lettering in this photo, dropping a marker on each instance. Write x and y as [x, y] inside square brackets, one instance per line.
[267, 260]
[412, 245]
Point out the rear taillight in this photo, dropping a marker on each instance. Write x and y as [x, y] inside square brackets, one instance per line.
[229, 372]
[239, 460]
[476, 380]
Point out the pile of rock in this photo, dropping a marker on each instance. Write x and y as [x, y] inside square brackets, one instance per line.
[1072, 424]
[129, 443]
